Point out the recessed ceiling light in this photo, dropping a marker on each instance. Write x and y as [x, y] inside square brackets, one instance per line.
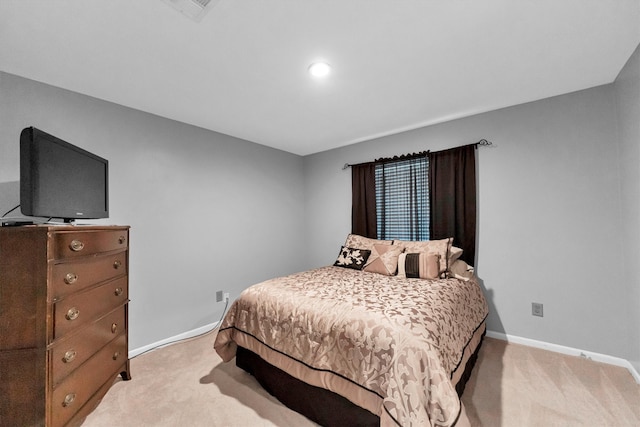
[319, 69]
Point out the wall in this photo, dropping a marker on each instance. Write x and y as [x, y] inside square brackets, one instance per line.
[549, 214]
[208, 212]
[627, 91]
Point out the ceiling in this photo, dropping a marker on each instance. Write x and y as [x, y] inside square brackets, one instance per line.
[396, 64]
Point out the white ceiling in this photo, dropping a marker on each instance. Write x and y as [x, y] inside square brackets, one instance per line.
[242, 70]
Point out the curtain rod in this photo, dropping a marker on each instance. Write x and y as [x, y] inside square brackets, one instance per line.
[482, 143]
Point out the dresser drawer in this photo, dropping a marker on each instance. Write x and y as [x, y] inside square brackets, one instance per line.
[69, 277]
[81, 243]
[69, 354]
[82, 308]
[69, 396]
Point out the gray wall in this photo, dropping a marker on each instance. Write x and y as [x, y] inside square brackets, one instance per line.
[549, 214]
[208, 212]
[627, 90]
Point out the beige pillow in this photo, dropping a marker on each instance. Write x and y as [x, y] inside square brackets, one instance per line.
[461, 270]
[440, 247]
[357, 241]
[454, 254]
[420, 265]
[383, 259]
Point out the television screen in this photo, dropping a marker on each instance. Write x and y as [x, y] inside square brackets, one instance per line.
[60, 180]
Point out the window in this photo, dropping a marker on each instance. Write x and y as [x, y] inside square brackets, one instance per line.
[420, 196]
[402, 199]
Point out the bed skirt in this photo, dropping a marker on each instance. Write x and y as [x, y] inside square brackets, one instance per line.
[326, 407]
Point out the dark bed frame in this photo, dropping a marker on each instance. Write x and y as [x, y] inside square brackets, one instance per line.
[319, 405]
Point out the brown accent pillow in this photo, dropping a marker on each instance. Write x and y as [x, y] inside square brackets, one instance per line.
[383, 259]
[420, 265]
[352, 258]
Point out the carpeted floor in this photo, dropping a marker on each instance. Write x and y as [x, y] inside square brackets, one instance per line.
[187, 384]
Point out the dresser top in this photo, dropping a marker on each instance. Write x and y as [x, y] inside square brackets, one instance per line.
[65, 227]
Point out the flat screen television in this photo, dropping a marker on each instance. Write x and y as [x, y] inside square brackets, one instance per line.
[59, 180]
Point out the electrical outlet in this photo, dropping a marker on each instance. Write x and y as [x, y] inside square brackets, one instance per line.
[536, 309]
[226, 296]
[218, 296]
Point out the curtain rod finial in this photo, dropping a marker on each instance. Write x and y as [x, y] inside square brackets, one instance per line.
[346, 166]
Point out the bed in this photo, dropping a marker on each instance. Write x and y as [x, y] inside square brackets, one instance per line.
[387, 335]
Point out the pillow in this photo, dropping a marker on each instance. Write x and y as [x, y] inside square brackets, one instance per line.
[454, 254]
[461, 270]
[419, 265]
[352, 258]
[357, 241]
[383, 259]
[440, 247]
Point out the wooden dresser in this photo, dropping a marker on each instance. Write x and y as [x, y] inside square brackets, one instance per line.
[63, 321]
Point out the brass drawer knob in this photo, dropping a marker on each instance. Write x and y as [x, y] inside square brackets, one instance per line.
[118, 292]
[72, 313]
[114, 328]
[116, 355]
[68, 399]
[122, 239]
[70, 278]
[69, 356]
[117, 264]
[76, 245]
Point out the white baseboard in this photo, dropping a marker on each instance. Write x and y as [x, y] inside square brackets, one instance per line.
[598, 357]
[185, 335]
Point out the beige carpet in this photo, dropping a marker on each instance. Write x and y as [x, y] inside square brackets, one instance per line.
[186, 384]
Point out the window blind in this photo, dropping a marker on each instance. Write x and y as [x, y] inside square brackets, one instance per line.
[402, 199]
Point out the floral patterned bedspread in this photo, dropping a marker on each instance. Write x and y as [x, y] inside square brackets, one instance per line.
[388, 344]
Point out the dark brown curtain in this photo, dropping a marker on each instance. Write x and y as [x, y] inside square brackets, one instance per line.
[363, 194]
[452, 195]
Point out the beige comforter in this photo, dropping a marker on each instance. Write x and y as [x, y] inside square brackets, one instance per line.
[388, 344]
